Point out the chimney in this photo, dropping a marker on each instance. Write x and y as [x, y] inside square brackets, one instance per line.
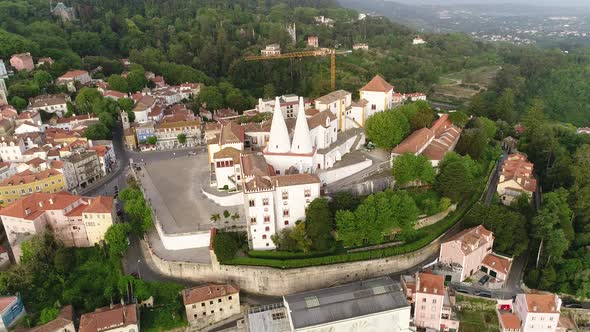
[51, 201]
[124, 310]
[40, 203]
[436, 291]
[535, 308]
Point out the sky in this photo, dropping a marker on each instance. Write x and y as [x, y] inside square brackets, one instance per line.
[558, 3]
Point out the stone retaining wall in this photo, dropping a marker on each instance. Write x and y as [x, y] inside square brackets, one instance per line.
[277, 282]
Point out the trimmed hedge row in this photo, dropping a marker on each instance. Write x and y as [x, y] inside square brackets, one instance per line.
[426, 236]
[286, 254]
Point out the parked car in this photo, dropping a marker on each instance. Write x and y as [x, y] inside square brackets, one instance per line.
[462, 290]
[484, 279]
[568, 302]
[484, 294]
[192, 153]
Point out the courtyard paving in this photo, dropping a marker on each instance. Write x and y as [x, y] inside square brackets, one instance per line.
[175, 193]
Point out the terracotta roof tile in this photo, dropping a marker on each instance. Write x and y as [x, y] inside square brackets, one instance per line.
[510, 321]
[544, 303]
[377, 84]
[208, 292]
[294, 179]
[430, 284]
[105, 318]
[228, 152]
[320, 119]
[498, 263]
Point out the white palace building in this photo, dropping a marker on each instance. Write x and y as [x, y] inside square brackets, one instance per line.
[276, 168]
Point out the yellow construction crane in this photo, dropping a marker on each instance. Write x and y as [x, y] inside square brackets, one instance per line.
[303, 54]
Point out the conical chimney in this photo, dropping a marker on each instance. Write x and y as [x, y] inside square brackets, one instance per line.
[301, 138]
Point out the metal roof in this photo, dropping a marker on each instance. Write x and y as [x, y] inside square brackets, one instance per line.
[344, 302]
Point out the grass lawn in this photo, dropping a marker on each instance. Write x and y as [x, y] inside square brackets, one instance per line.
[168, 311]
[477, 315]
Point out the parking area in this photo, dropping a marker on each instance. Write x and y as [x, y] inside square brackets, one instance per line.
[174, 188]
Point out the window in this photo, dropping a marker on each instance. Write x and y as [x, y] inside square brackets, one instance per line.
[285, 195]
[423, 307]
[264, 236]
[220, 309]
[194, 306]
[373, 107]
[195, 315]
[218, 300]
[252, 220]
[424, 300]
[266, 229]
[434, 301]
[278, 315]
[265, 201]
[286, 222]
[266, 218]
[204, 313]
[252, 203]
[307, 192]
[267, 244]
[229, 298]
[203, 304]
[286, 213]
[210, 302]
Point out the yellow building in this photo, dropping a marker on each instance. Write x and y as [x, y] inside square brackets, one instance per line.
[130, 140]
[26, 183]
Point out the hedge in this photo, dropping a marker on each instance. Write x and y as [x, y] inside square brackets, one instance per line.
[427, 235]
[286, 255]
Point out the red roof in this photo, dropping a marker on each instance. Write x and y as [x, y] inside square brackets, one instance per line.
[208, 292]
[377, 84]
[34, 205]
[73, 74]
[6, 301]
[510, 321]
[106, 318]
[415, 142]
[430, 284]
[99, 204]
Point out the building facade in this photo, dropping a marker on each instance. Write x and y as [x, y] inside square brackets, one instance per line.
[27, 183]
[75, 220]
[516, 179]
[538, 312]
[22, 61]
[116, 318]
[86, 167]
[167, 133]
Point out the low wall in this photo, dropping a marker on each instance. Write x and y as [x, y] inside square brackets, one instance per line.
[225, 200]
[277, 282]
[180, 241]
[434, 218]
[333, 175]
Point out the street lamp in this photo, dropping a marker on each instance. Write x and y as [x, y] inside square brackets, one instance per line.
[138, 272]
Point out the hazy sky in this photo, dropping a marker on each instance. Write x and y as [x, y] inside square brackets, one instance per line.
[584, 3]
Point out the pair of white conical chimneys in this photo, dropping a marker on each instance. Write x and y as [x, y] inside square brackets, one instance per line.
[279, 141]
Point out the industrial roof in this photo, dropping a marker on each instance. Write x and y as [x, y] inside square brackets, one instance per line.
[334, 304]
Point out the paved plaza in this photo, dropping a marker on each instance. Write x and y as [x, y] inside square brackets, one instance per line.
[175, 193]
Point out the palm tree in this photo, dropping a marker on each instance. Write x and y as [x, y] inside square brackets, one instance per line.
[235, 216]
[215, 217]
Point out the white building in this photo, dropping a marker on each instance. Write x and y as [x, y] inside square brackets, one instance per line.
[369, 305]
[143, 107]
[3, 72]
[272, 49]
[360, 46]
[538, 312]
[27, 127]
[289, 105]
[3, 93]
[53, 104]
[72, 77]
[11, 149]
[378, 94]
[418, 41]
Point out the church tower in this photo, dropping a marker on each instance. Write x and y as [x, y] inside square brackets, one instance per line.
[125, 120]
[301, 138]
[278, 141]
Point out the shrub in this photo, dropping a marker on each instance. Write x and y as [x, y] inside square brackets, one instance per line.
[225, 246]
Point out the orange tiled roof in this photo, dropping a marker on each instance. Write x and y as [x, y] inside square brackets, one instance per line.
[544, 303]
[73, 74]
[208, 292]
[32, 206]
[497, 263]
[294, 179]
[28, 177]
[103, 319]
[472, 237]
[510, 321]
[377, 84]
[430, 284]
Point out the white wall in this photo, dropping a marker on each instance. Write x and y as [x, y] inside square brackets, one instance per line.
[225, 200]
[182, 241]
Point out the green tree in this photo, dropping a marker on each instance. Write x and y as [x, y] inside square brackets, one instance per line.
[116, 239]
[408, 167]
[505, 108]
[458, 118]
[224, 246]
[299, 235]
[318, 224]
[387, 129]
[181, 138]
[126, 104]
[455, 179]
[87, 98]
[48, 314]
[211, 97]
[98, 132]
[136, 80]
[42, 78]
[422, 119]
[343, 200]
[152, 140]
[269, 91]
[473, 142]
[18, 103]
[118, 83]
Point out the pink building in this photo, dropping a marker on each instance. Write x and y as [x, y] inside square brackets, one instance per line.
[72, 77]
[22, 61]
[432, 303]
[538, 312]
[467, 250]
[77, 221]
